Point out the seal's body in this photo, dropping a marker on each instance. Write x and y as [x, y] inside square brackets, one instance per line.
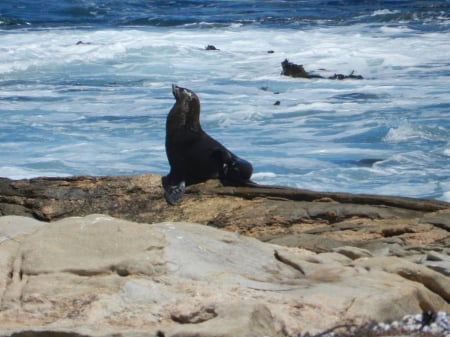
[193, 155]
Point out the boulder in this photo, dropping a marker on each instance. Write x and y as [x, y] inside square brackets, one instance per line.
[102, 276]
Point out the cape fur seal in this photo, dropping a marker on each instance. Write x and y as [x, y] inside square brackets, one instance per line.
[193, 155]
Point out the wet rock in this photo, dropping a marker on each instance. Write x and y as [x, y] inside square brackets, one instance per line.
[83, 43]
[368, 162]
[351, 76]
[211, 47]
[297, 70]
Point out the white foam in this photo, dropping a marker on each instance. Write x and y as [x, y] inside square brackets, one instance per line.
[404, 132]
[446, 196]
[78, 108]
[383, 12]
[12, 172]
[263, 175]
[446, 152]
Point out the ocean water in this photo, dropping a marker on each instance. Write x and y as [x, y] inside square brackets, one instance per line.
[85, 87]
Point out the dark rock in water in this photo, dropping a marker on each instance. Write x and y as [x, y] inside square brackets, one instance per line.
[368, 161]
[81, 42]
[297, 70]
[294, 70]
[270, 52]
[211, 47]
[345, 77]
[267, 89]
[277, 103]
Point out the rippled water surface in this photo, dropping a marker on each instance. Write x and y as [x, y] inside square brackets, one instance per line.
[85, 89]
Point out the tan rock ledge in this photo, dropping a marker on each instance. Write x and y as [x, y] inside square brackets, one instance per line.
[106, 256]
[101, 276]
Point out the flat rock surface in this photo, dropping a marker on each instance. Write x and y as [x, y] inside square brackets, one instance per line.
[104, 256]
[97, 275]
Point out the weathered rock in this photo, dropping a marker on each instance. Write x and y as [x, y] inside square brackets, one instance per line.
[100, 276]
[55, 198]
[320, 221]
[228, 320]
[432, 280]
[307, 241]
[353, 252]
[439, 219]
[438, 262]
[139, 198]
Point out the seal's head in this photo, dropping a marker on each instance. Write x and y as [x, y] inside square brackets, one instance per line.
[188, 110]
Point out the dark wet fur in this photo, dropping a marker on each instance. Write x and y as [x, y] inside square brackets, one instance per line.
[193, 155]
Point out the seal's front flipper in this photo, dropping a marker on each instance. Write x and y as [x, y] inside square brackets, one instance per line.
[173, 193]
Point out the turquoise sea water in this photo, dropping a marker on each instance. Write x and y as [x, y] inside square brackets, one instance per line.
[85, 89]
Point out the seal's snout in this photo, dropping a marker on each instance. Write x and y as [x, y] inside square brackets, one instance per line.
[175, 90]
[182, 93]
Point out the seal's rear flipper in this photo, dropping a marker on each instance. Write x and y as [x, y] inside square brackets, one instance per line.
[173, 193]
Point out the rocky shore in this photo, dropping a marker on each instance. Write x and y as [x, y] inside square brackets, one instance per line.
[106, 256]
